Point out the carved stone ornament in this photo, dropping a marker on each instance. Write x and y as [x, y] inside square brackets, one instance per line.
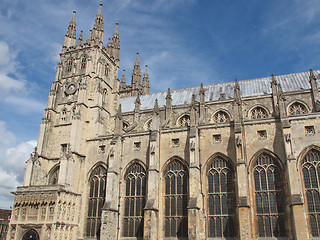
[238, 141]
[287, 137]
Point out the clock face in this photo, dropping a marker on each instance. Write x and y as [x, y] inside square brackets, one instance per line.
[71, 88]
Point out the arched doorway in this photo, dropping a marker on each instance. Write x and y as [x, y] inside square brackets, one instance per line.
[31, 235]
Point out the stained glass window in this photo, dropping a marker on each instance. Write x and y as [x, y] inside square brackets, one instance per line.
[54, 177]
[220, 199]
[184, 121]
[258, 113]
[221, 117]
[97, 189]
[311, 177]
[176, 197]
[297, 109]
[269, 197]
[134, 201]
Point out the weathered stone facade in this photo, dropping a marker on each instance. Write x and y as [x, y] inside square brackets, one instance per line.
[226, 161]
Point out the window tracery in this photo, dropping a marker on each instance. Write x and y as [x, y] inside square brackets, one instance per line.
[97, 187]
[69, 65]
[311, 177]
[220, 199]
[221, 117]
[135, 179]
[54, 177]
[297, 108]
[269, 197]
[258, 113]
[184, 121]
[83, 63]
[148, 125]
[176, 197]
[64, 115]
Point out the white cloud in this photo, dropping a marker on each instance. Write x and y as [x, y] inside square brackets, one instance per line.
[12, 163]
[15, 158]
[6, 137]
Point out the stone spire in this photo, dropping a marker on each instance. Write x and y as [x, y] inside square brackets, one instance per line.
[80, 40]
[136, 77]
[145, 82]
[70, 37]
[115, 45]
[89, 37]
[97, 32]
[123, 83]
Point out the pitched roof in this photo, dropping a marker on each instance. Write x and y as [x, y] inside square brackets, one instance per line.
[248, 88]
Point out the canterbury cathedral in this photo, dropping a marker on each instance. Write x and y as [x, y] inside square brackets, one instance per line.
[234, 160]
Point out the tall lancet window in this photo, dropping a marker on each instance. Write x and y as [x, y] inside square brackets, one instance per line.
[97, 191]
[311, 176]
[220, 199]
[269, 197]
[176, 200]
[135, 179]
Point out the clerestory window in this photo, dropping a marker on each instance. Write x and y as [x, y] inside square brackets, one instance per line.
[258, 113]
[221, 117]
[297, 108]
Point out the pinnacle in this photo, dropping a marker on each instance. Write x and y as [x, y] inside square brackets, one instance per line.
[137, 59]
[116, 30]
[73, 16]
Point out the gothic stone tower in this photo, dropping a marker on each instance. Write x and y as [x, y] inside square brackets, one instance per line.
[81, 104]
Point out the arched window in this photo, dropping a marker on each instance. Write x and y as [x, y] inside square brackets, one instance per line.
[64, 115]
[297, 108]
[269, 197]
[184, 121]
[221, 117]
[83, 63]
[148, 125]
[176, 200]
[220, 199]
[106, 70]
[134, 201]
[258, 113]
[54, 176]
[97, 189]
[311, 176]
[69, 65]
[31, 234]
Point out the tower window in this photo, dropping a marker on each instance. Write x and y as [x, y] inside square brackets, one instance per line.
[69, 65]
[220, 200]
[97, 190]
[83, 63]
[269, 197]
[54, 176]
[134, 201]
[310, 169]
[176, 200]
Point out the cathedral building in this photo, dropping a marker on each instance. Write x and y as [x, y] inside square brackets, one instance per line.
[235, 160]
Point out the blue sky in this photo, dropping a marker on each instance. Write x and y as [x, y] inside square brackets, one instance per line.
[183, 42]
